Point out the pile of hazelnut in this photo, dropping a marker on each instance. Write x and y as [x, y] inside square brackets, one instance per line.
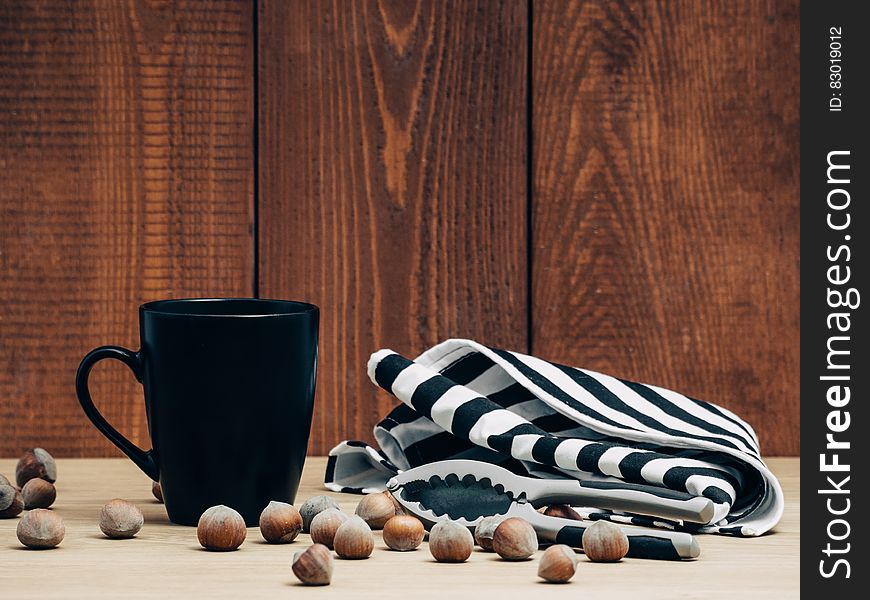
[34, 492]
[350, 537]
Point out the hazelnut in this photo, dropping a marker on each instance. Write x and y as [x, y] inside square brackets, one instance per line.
[312, 506]
[157, 491]
[36, 462]
[376, 509]
[314, 565]
[558, 564]
[280, 523]
[485, 529]
[120, 519]
[450, 542]
[325, 524]
[400, 510]
[221, 528]
[514, 539]
[604, 542]
[40, 529]
[3, 480]
[563, 511]
[38, 493]
[354, 539]
[403, 533]
[11, 503]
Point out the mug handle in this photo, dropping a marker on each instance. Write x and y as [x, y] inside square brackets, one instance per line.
[144, 460]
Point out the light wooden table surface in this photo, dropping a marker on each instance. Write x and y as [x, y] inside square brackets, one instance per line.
[165, 561]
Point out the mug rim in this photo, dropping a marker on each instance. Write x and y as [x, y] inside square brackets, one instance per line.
[290, 307]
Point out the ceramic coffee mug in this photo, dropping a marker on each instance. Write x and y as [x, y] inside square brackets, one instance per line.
[229, 391]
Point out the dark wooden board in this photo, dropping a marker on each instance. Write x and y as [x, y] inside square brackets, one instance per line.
[393, 153]
[666, 199]
[126, 159]
[393, 182]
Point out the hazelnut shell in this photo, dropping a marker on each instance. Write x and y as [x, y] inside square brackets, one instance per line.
[7, 493]
[354, 539]
[485, 530]
[35, 462]
[157, 491]
[558, 564]
[403, 533]
[40, 529]
[514, 539]
[450, 542]
[563, 511]
[400, 510]
[376, 509]
[11, 503]
[604, 542]
[221, 528]
[311, 507]
[325, 524]
[120, 519]
[38, 493]
[314, 565]
[280, 523]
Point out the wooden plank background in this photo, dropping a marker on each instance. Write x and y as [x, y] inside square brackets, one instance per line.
[607, 184]
[393, 182]
[127, 175]
[666, 199]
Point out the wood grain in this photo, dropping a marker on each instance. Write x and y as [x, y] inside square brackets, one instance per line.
[126, 153]
[393, 182]
[166, 558]
[393, 151]
[666, 199]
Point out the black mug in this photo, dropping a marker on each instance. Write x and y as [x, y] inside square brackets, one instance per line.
[229, 392]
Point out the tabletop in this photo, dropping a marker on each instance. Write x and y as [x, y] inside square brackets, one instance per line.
[165, 561]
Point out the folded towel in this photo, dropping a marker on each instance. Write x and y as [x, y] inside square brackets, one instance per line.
[464, 400]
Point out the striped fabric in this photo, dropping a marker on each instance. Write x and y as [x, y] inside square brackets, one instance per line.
[464, 400]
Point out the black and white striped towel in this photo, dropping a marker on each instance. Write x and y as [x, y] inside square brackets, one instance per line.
[464, 400]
